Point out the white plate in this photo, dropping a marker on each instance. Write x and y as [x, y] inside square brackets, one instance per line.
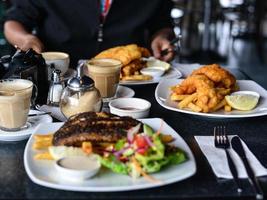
[162, 94]
[171, 73]
[123, 91]
[26, 133]
[43, 172]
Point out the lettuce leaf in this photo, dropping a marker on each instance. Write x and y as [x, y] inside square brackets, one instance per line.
[120, 144]
[151, 165]
[114, 164]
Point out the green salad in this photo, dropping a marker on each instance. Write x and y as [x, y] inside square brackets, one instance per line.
[141, 153]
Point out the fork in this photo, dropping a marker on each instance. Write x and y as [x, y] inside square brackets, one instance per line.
[221, 141]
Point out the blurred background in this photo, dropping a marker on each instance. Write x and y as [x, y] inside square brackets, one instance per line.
[232, 33]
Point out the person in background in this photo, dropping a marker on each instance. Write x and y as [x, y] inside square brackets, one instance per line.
[84, 28]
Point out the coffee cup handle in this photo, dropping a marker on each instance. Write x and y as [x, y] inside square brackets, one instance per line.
[34, 96]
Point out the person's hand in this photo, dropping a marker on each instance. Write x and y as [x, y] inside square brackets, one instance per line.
[160, 43]
[31, 41]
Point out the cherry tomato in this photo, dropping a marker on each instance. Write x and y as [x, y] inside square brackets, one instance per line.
[141, 141]
[141, 151]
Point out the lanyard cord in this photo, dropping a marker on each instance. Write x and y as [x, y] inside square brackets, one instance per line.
[104, 9]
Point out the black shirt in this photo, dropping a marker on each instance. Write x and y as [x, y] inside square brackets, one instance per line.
[72, 25]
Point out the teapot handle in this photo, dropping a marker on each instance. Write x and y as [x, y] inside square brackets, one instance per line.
[80, 70]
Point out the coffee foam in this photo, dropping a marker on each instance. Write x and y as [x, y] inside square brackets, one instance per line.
[14, 85]
[104, 65]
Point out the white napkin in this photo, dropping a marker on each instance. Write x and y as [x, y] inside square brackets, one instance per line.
[218, 161]
[55, 112]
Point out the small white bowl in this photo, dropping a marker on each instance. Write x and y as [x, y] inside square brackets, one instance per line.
[155, 72]
[134, 107]
[78, 168]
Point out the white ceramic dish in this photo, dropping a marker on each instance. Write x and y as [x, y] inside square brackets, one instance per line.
[162, 94]
[155, 72]
[43, 172]
[134, 107]
[78, 168]
[123, 92]
[171, 73]
[26, 133]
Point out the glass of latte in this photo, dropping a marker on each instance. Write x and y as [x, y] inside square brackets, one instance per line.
[106, 75]
[15, 99]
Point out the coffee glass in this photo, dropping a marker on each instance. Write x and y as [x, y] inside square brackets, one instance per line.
[106, 75]
[15, 100]
[60, 60]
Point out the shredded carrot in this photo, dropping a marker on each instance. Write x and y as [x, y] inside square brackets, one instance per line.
[145, 175]
[160, 128]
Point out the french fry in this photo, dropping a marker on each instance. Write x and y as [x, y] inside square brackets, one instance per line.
[187, 100]
[178, 97]
[43, 156]
[106, 144]
[223, 91]
[87, 147]
[172, 88]
[219, 105]
[166, 138]
[137, 77]
[194, 107]
[41, 144]
[227, 108]
[38, 137]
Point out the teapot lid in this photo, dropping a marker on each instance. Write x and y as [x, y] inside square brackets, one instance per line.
[79, 82]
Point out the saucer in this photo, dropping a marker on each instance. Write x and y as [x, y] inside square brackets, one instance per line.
[123, 92]
[12, 136]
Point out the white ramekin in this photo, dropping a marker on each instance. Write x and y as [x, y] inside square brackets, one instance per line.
[133, 107]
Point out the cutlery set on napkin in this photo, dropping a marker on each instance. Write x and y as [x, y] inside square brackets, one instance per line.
[244, 163]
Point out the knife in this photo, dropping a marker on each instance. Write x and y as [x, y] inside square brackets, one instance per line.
[164, 52]
[238, 147]
[38, 114]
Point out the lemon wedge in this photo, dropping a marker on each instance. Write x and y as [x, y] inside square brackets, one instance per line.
[158, 64]
[58, 152]
[243, 102]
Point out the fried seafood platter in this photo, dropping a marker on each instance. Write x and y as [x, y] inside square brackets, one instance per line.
[122, 144]
[205, 89]
[133, 59]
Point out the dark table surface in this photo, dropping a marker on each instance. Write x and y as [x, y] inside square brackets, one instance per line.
[14, 182]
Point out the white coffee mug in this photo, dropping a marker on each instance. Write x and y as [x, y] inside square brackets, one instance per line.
[60, 60]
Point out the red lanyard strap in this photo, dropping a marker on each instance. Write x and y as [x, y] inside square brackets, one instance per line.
[104, 8]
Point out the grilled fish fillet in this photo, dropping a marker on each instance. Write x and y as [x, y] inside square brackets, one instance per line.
[93, 127]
